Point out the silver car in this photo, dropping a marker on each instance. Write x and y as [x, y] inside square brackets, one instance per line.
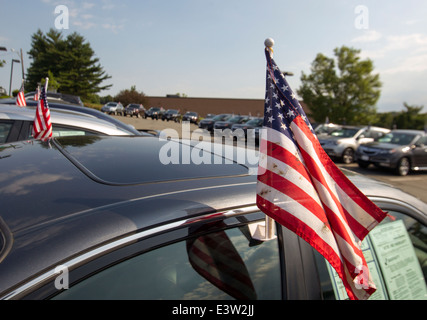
[113, 108]
[343, 142]
[16, 124]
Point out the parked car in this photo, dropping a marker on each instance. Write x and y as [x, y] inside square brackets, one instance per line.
[134, 109]
[154, 113]
[171, 115]
[326, 129]
[173, 231]
[255, 124]
[400, 150]
[342, 143]
[192, 117]
[52, 97]
[84, 111]
[208, 123]
[16, 124]
[113, 108]
[229, 123]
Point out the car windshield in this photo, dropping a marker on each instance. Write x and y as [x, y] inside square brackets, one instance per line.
[191, 114]
[345, 132]
[397, 138]
[221, 117]
[255, 122]
[155, 109]
[236, 119]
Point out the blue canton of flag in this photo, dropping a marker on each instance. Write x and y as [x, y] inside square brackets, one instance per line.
[281, 107]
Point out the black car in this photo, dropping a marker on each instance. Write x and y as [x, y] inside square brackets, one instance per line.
[134, 109]
[79, 222]
[192, 117]
[209, 123]
[229, 123]
[171, 115]
[255, 124]
[154, 113]
[399, 150]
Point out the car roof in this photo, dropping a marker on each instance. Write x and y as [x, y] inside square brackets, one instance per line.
[63, 117]
[78, 108]
[409, 131]
[57, 202]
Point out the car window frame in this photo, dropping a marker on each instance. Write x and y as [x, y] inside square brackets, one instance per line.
[386, 204]
[88, 263]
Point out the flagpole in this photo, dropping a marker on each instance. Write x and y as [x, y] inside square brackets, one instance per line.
[265, 231]
[45, 85]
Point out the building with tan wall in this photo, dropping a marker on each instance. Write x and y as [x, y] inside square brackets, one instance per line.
[203, 106]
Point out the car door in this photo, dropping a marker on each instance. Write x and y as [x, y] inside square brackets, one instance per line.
[396, 254]
[208, 258]
[419, 152]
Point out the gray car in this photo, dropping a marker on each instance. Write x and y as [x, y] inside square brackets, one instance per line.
[399, 150]
[342, 143]
[78, 221]
[16, 124]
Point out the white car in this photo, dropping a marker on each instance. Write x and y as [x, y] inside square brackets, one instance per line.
[16, 124]
[113, 108]
[343, 142]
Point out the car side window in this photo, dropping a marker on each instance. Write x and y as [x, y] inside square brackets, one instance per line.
[396, 254]
[62, 131]
[4, 131]
[221, 264]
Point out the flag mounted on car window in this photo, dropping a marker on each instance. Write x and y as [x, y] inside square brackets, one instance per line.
[301, 188]
[20, 98]
[42, 126]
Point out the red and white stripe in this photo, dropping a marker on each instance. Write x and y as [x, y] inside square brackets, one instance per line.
[42, 126]
[20, 98]
[300, 187]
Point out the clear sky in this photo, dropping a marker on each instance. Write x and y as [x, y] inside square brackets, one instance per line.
[215, 48]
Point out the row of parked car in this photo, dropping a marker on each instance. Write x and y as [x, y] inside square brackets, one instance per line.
[400, 150]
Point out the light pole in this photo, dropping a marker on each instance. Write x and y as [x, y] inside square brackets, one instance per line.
[11, 74]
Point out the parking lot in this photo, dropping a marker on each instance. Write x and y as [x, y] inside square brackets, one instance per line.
[414, 183]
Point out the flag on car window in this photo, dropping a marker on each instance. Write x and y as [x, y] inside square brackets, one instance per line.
[42, 126]
[301, 188]
[20, 98]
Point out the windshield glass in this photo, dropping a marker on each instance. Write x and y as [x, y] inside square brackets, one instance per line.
[345, 132]
[221, 117]
[255, 122]
[397, 138]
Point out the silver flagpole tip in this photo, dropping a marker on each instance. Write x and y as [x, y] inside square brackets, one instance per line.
[269, 42]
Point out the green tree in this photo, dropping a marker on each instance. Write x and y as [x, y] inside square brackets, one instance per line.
[411, 118]
[131, 96]
[341, 89]
[71, 60]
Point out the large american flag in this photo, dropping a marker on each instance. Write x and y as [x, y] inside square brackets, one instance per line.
[20, 98]
[301, 188]
[42, 126]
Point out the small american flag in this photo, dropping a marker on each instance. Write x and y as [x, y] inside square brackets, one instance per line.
[42, 126]
[301, 188]
[20, 98]
[37, 94]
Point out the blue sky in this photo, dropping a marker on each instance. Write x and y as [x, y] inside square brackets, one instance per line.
[214, 48]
